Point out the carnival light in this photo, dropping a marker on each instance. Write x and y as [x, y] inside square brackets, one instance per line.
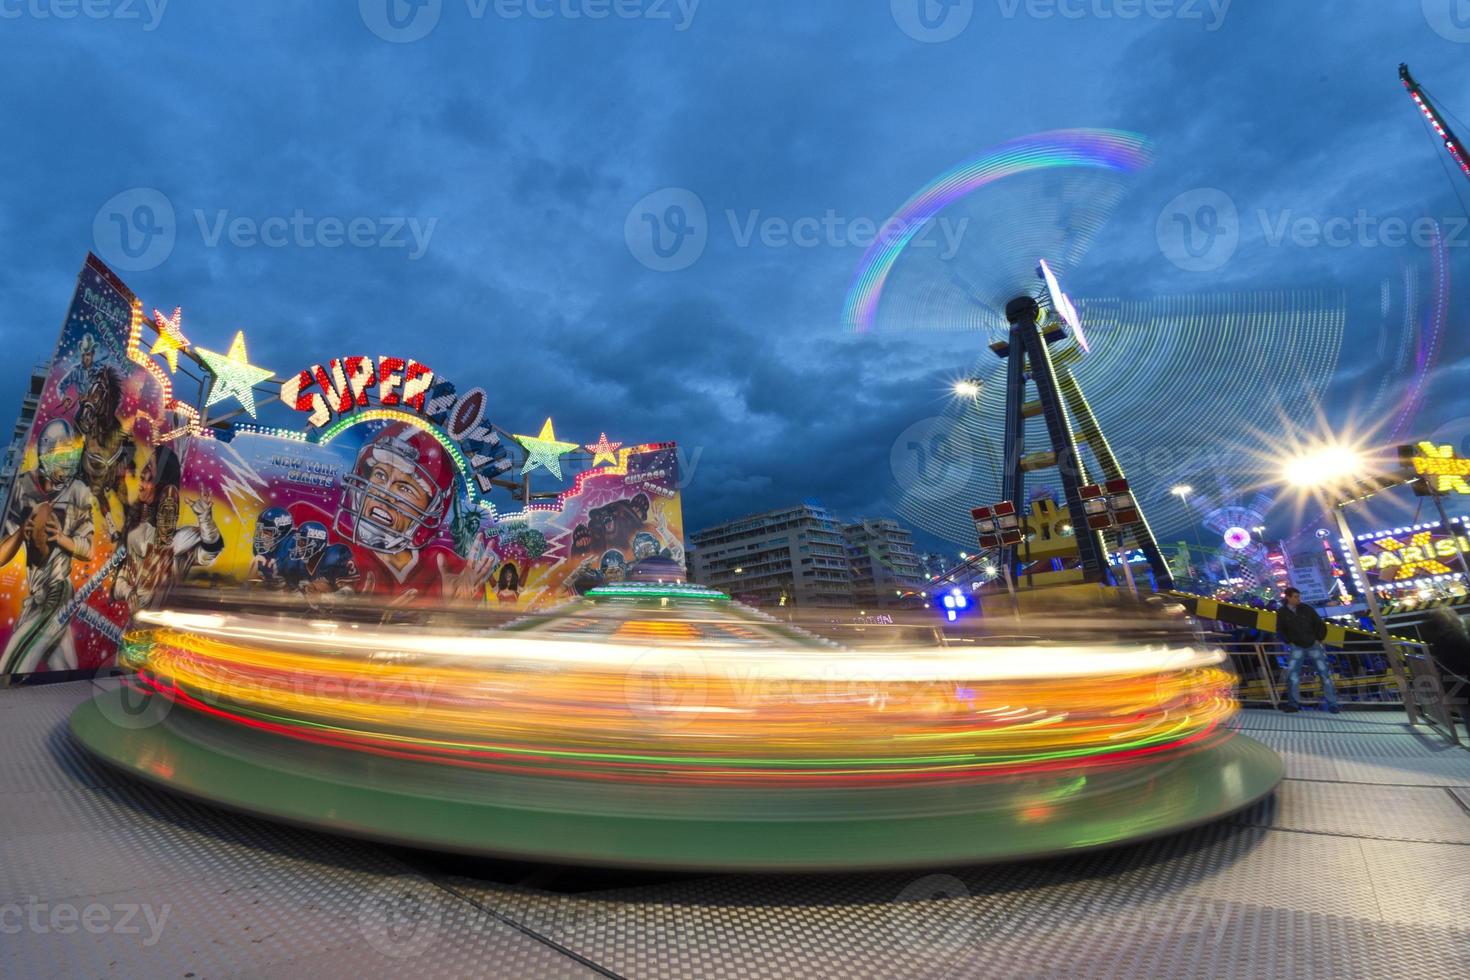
[1238, 538]
[968, 388]
[170, 404]
[170, 338]
[544, 450]
[1062, 305]
[603, 450]
[1182, 491]
[1326, 466]
[468, 700]
[234, 375]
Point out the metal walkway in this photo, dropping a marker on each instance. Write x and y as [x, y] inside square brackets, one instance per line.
[1358, 867]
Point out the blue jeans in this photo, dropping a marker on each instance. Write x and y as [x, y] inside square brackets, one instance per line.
[1324, 670]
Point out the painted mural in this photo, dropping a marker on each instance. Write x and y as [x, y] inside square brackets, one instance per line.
[127, 495]
[382, 510]
[87, 483]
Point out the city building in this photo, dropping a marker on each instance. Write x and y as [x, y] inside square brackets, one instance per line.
[791, 556]
[16, 450]
[880, 554]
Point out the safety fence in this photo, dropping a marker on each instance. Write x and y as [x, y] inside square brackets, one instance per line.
[1364, 673]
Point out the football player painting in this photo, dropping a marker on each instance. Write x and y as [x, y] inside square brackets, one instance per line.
[159, 550]
[50, 519]
[394, 507]
[317, 570]
[270, 548]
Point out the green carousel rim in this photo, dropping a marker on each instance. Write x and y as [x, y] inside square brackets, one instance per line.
[426, 806]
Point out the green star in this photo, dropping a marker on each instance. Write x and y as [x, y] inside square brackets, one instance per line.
[544, 450]
[233, 374]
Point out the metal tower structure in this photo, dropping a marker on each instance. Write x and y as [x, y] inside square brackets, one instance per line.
[1104, 518]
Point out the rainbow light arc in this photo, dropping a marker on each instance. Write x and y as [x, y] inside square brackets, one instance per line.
[1108, 149]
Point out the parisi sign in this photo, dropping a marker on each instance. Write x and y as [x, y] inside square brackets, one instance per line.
[346, 384]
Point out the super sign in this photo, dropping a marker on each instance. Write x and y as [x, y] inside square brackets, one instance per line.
[347, 384]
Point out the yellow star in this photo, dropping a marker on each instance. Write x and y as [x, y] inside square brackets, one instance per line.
[602, 449]
[171, 337]
[233, 374]
[545, 450]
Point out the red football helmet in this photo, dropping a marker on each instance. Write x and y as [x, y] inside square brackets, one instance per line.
[399, 491]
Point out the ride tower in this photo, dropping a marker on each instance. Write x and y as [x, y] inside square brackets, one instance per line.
[1103, 515]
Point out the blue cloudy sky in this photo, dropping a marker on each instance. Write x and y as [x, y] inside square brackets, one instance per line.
[520, 136]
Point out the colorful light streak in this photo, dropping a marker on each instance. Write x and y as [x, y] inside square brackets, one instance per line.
[1095, 148]
[679, 712]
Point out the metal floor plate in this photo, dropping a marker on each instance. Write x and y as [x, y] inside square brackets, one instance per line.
[1359, 866]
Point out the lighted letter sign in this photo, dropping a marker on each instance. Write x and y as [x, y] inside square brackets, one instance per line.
[1437, 467]
[347, 384]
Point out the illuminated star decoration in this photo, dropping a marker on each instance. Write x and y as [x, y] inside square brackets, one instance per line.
[602, 449]
[233, 374]
[171, 337]
[545, 450]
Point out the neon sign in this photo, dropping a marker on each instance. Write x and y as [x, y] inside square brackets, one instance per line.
[1437, 466]
[348, 387]
[346, 384]
[1411, 553]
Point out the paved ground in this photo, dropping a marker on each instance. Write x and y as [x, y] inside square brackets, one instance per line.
[1358, 867]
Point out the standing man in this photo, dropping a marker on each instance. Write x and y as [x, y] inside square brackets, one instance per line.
[1302, 631]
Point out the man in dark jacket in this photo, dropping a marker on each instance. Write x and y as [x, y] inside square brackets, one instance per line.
[1302, 631]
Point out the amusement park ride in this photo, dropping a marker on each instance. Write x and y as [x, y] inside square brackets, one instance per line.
[1070, 545]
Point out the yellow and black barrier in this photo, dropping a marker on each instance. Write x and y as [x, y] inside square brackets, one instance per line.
[1249, 617]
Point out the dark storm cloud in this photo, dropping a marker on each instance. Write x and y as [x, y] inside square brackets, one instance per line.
[526, 143]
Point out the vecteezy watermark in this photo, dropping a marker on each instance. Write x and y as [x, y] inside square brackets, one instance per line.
[935, 916]
[1211, 13]
[669, 230]
[1200, 230]
[1362, 230]
[932, 21]
[126, 705]
[402, 915]
[1450, 19]
[98, 918]
[136, 230]
[832, 230]
[301, 230]
[149, 12]
[929, 462]
[403, 21]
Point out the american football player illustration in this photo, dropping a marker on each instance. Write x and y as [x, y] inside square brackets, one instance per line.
[50, 518]
[275, 531]
[394, 506]
[318, 570]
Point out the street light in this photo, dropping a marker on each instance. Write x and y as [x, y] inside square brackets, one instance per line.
[1325, 467]
[1343, 475]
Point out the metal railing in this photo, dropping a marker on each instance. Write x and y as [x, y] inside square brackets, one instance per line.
[1362, 674]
